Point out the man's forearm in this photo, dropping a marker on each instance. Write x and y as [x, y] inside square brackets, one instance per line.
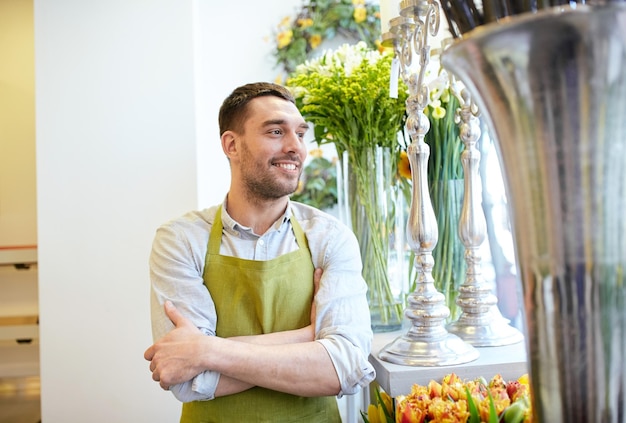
[305, 334]
[299, 368]
[229, 386]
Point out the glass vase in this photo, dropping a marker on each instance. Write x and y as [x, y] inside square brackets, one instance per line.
[446, 187]
[372, 203]
[449, 253]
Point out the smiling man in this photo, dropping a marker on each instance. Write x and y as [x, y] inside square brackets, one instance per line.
[259, 309]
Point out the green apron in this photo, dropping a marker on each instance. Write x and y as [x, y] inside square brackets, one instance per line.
[254, 297]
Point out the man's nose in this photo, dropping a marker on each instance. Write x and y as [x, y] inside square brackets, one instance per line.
[293, 142]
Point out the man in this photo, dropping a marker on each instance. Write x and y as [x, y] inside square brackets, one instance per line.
[258, 305]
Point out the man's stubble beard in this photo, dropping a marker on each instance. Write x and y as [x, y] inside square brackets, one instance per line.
[259, 181]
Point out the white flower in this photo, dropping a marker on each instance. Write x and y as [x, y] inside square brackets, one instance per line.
[438, 86]
[298, 92]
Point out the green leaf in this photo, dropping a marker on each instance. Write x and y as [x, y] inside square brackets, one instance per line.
[471, 405]
[493, 414]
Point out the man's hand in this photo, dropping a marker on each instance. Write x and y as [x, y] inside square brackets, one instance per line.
[174, 358]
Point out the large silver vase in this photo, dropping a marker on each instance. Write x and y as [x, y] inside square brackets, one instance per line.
[552, 87]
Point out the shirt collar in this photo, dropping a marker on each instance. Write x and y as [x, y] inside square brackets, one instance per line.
[235, 228]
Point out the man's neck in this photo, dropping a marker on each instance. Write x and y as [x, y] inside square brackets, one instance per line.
[255, 214]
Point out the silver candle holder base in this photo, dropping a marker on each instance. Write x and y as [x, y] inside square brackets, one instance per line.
[428, 343]
[486, 329]
[412, 351]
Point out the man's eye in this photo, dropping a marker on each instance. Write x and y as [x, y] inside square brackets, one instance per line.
[301, 135]
[276, 131]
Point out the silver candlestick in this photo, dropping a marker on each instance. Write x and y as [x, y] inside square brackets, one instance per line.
[480, 323]
[427, 343]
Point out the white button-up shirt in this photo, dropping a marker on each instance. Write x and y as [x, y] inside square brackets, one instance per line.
[342, 314]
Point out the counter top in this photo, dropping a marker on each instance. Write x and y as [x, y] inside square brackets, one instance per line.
[509, 361]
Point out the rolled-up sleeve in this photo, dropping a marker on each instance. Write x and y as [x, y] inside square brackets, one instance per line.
[176, 265]
[343, 324]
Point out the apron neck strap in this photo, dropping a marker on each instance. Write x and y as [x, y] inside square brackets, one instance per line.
[215, 239]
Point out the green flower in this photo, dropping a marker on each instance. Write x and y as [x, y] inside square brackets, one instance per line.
[345, 93]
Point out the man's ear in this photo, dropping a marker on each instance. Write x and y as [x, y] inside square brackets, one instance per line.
[229, 144]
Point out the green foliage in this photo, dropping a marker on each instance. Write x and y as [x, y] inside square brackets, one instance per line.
[319, 20]
[318, 185]
[345, 94]
[471, 405]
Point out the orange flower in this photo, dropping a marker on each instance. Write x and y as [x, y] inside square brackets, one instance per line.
[434, 388]
[450, 378]
[448, 403]
[315, 40]
[446, 411]
[516, 390]
[419, 397]
[408, 412]
[404, 166]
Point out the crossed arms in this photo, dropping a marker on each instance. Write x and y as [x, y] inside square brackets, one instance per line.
[289, 361]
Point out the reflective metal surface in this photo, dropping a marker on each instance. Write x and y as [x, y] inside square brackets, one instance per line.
[427, 342]
[553, 88]
[480, 323]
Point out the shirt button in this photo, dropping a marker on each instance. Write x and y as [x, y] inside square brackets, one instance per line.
[261, 242]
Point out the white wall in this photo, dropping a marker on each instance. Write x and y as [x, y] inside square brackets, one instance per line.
[126, 139]
[115, 158]
[233, 46]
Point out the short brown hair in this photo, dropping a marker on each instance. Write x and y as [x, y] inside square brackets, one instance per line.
[235, 107]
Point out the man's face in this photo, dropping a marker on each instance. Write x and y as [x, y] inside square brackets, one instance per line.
[272, 148]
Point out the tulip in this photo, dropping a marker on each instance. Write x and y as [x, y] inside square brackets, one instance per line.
[372, 414]
[406, 412]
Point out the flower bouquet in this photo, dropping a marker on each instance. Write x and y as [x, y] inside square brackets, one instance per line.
[345, 94]
[446, 189]
[454, 400]
[298, 37]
